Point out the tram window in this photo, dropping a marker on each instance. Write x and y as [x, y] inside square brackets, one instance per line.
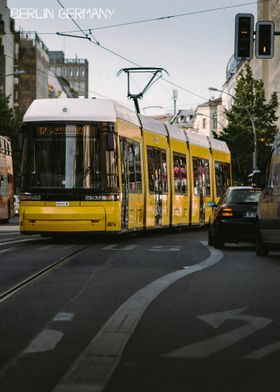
[131, 168]
[222, 177]
[180, 174]
[201, 176]
[138, 167]
[151, 176]
[164, 176]
[157, 170]
[131, 165]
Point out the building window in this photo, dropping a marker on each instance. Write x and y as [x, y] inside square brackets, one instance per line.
[215, 123]
[204, 123]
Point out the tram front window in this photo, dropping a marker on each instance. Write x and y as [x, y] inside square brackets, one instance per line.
[68, 156]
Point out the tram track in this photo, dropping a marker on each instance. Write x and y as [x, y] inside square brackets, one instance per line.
[16, 288]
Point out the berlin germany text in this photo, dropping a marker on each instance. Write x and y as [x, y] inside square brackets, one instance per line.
[62, 13]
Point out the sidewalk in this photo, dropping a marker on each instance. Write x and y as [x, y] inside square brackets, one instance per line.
[13, 225]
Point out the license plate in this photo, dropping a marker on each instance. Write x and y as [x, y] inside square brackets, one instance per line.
[250, 214]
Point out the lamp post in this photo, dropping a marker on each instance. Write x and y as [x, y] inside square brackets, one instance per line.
[252, 122]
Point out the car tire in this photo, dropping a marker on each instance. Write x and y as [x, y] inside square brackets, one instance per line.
[211, 238]
[261, 247]
[219, 241]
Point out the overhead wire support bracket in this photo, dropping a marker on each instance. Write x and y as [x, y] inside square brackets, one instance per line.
[156, 75]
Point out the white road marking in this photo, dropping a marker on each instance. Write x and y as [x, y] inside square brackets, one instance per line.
[63, 316]
[6, 250]
[113, 247]
[92, 370]
[263, 352]
[11, 241]
[165, 248]
[16, 233]
[47, 340]
[210, 346]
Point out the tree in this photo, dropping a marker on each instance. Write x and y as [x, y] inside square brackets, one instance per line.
[249, 97]
[9, 126]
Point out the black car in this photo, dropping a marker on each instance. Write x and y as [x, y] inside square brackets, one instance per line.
[233, 219]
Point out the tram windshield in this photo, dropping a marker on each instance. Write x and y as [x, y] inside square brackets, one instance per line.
[69, 156]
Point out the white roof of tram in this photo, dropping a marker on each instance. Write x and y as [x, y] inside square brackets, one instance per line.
[219, 145]
[78, 109]
[197, 139]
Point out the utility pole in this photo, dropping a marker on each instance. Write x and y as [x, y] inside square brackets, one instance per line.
[174, 97]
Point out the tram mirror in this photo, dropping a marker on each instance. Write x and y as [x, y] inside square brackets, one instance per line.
[19, 142]
[211, 204]
[110, 142]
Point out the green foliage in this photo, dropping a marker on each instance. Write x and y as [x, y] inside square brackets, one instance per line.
[249, 102]
[9, 126]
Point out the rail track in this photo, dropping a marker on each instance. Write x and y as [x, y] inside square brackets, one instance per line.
[5, 295]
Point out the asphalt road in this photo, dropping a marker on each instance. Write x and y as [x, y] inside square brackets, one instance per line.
[155, 312]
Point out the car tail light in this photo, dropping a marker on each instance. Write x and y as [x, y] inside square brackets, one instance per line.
[226, 212]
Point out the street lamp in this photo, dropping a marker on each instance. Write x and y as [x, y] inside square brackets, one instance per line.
[252, 122]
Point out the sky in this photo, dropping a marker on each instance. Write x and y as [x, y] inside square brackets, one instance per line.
[194, 49]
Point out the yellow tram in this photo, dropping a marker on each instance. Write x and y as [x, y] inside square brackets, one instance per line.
[93, 165]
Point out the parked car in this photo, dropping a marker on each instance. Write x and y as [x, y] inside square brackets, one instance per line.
[16, 205]
[268, 214]
[233, 219]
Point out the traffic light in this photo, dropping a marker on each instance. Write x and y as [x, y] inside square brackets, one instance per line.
[244, 34]
[265, 40]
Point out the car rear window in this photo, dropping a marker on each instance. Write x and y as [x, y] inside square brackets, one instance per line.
[244, 196]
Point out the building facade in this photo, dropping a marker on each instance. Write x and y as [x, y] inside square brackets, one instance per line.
[269, 70]
[7, 52]
[207, 117]
[75, 71]
[34, 60]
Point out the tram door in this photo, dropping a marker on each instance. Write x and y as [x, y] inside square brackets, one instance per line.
[125, 180]
[201, 184]
[157, 180]
[158, 187]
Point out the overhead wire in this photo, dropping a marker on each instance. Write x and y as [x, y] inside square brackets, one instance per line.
[124, 58]
[161, 18]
